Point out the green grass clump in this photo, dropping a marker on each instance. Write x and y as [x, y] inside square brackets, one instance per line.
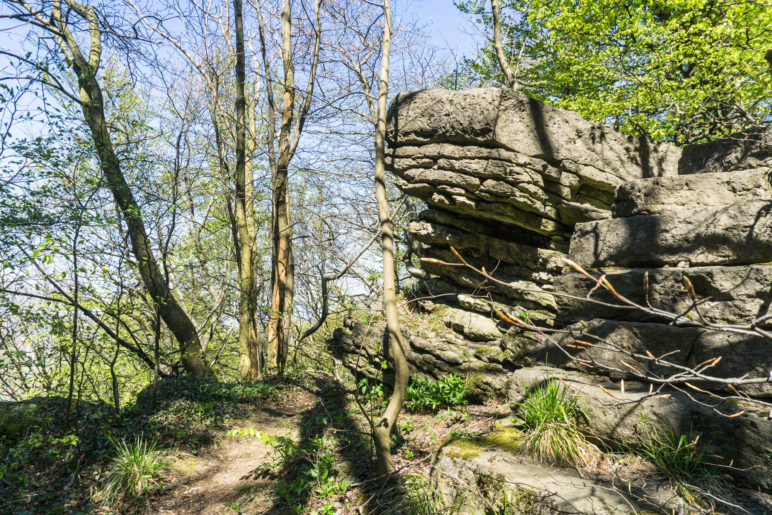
[552, 421]
[425, 395]
[135, 471]
[676, 455]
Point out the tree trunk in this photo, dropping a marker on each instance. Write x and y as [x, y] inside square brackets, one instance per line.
[283, 274]
[249, 362]
[396, 348]
[283, 265]
[172, 313]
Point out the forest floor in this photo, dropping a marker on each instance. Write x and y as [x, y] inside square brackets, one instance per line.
[300, 445]
[254, 474]
[222, 478]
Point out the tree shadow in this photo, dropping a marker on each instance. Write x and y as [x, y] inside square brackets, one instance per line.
[328, 417]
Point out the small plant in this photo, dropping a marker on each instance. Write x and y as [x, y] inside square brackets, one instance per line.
[552, 418]
[675, 455]
[134, 472]
[464, 434]
[425, 395]
[311, 462]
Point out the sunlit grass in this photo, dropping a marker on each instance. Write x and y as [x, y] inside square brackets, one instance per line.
[552, 419]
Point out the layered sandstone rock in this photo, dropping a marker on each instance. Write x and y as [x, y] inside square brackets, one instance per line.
[515, 187]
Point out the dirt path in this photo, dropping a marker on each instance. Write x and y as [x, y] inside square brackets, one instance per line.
[216, 481]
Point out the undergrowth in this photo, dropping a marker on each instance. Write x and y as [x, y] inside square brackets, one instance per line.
[134, 472]
[303, 469]
[50, 462]
[678, 457]
[425, 395]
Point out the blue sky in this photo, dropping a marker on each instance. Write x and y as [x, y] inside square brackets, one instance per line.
[447, 26]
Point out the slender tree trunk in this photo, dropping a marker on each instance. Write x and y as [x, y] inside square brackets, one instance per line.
[283, 269]
[249, 363]
[75, 292]
[396, 348]
[283, 275]
[114, 376]
[282, 260]
[499, 48]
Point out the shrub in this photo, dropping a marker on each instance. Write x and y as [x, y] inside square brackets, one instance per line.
[425, 395]
[552, 420]
[134, 471]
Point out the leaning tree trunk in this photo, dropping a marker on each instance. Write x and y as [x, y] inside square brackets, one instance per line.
[173, 315]
[57, 23]
[396, 348]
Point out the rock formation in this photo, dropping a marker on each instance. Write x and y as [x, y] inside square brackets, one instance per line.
[515, 186]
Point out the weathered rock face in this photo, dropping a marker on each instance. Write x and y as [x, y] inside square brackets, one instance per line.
[620, 416]
[515, 187]
[752, 149]
[724, 235]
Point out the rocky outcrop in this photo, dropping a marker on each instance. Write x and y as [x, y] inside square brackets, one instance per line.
[515, 187]
[483, 475]
[620, 416]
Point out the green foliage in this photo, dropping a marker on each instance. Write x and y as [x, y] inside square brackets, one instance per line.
[425, 395]
[552, 420]
[676, 70]
[42, 449]
[134, 472]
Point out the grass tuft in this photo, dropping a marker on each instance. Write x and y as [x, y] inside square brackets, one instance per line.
[134, 472]
[552, 421]
[675, 455]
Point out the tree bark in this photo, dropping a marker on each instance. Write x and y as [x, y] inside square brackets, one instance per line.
[505, 68]
[282, 262]
[396, 348]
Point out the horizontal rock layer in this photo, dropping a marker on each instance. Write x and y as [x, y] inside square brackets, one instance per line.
[727, 294]
[670, 194]
[616, 341]
[740, 151]
[736, 234]
[510, 120]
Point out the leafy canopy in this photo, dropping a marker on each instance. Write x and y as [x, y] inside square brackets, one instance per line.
[676, 70]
